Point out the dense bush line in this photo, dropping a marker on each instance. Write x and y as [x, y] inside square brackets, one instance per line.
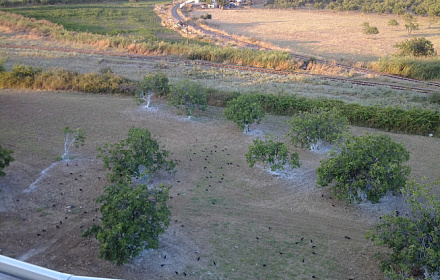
[265, 59]
[399, 7]
[26, 77]
[414, 121]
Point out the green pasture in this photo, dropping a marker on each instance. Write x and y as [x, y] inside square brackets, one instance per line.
[116, 18]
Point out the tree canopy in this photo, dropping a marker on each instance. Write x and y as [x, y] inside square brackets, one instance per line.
[244, 110]
[364, 167]
[139, 155]
[414, 240]
[311, 129]
[188, 96]
[417, 46]
[273, 154]
[152, 83]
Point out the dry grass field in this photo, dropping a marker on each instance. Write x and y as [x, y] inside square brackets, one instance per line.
[228, 221]
[320, 33]
[245, 220]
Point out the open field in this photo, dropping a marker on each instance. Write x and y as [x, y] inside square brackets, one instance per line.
[119, 18]
[221, 218]
[320, 33]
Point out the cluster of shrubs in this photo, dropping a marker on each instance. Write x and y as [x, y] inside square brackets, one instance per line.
[414, 121]
[27, 77]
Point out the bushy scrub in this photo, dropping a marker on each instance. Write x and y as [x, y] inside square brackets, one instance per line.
[364, 168]
[244, 111]
[188, 96]
[313, 129]
[273, 154]
[413, 240]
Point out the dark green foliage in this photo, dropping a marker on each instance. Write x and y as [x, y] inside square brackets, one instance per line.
[416, 47]
[414, 240]
[206, 16]
[133, 214]
[5, 159]
[59, 79]
[188, 96]
[414, 121]
[132, 220]
[137, 156]
[310, 129]
[156, 83]
[364, 167]
[244, 110]
[273, 154]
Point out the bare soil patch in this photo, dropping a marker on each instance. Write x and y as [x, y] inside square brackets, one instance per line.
[228, 221]
[319, 33]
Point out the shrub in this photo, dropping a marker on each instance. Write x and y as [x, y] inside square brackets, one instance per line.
[416, 47]
[311, 129]
[188, 96]
[414, 240]
[5, 159]
[364, 167]
[368, 30]
[273, 154]
[244, 110]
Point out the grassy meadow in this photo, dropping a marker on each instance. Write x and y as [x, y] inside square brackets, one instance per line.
[114, 18]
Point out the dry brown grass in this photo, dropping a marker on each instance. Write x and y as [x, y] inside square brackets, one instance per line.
[320, 33]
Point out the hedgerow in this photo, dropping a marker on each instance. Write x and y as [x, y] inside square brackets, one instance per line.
[395, 119]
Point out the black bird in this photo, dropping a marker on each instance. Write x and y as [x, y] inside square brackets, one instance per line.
[347, 237]
[198, 259]
[177, 273]
[214, 262]
[184, 273]
[258, 237]
[303, 260]
[302, 238]
[313, 253]
[281, 253]
[313, 276]
[264, 264]
[311, 241]
[162, 265]
[165, 256]
[313, 246]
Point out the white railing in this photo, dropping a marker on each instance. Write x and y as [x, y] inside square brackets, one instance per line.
[27, 271]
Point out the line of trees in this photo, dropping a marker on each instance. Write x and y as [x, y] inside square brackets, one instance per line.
[399, 7]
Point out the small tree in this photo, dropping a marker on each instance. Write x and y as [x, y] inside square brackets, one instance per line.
[5, 159]
[273, 154]
[410, 23]
[72, 137]
[416, 47]
[188, 96]
[156, 83]
[414, 240]
[137, 156]
[132, 220]
[364, 167]
[311, 129]
[244, 110]
[393, 23]
[369, 30]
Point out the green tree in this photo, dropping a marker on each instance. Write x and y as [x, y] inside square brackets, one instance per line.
[311, 129]
[416, 47]
[132, 220]
[222, 3]
[273, 154]
[414, 240]
[137, 156]
[156, 83]
[188, 96]
[393, 23]
[364, 167]
[244, 110]
[410, 23]
[369, 30]
[5, 159]
[72, 137]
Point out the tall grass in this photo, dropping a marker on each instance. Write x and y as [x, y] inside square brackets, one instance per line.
[26, 77]
[411, 67]
[266, 59]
